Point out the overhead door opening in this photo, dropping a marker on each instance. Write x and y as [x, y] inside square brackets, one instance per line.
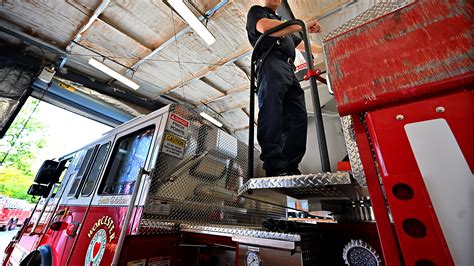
[40, 131]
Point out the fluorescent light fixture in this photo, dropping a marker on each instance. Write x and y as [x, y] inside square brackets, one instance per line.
[211, 119]
[114, 74]
[192, 20]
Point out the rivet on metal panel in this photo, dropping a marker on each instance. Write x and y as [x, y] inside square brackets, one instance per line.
[440, 109]
[399, 117]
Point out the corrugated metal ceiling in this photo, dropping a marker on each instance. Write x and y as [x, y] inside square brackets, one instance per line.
[184, 67]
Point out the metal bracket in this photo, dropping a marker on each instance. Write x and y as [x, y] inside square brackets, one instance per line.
[317, 74]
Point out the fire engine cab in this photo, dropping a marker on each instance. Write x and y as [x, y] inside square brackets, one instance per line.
[171, 188]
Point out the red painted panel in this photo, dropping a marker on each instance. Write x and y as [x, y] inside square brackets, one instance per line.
[146, 248]
[459, 112]
[61, 244]
[402, 55]
[97, 219]
[397, 164]
[388, 242]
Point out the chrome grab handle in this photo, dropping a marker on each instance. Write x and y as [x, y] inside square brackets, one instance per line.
[126, 221]
[44, 208]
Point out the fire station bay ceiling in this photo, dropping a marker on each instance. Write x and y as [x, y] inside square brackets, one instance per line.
[152, 45]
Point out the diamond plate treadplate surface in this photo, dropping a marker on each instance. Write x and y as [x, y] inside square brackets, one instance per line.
[352, 150]
[377, 10]
[241, 231]
[200, 186]
[153, 227]
[305, 186]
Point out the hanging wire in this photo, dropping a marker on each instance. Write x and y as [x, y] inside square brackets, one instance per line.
[110, 57]
[178, 54]
[103, 56]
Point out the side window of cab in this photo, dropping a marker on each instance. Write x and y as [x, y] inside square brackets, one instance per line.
[128, 157]
[95, 170]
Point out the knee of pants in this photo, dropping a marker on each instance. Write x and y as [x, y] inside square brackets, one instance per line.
[300, 118]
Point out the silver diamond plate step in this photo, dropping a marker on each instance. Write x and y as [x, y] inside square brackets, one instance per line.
[320, 185]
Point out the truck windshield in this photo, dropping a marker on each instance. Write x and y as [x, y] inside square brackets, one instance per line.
[129, 156]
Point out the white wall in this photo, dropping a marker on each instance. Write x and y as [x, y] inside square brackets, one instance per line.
[335, 141]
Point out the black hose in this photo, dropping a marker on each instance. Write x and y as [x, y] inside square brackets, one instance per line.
[282, 226]
[285, 226]
[270, 225]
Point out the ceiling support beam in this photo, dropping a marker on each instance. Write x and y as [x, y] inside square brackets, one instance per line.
[171, 40]
[110, 90]
[113, 91]
[205, 72]
[86, 26]
[242, 88]
[240, 129]
[34, 41]
[242, 68]
[255, 120]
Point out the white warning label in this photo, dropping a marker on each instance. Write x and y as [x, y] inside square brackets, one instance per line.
[173, 146]
[159, 207]
[178, 125]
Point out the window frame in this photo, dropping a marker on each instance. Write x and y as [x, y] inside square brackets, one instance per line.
[113, 153]
[104, 165]
[65, 174]
[85, 173]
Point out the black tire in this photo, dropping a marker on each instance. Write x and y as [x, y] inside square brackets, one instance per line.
[42, 256]
[34, 258]
[3, 228]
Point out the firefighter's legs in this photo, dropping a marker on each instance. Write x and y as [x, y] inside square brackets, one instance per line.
[271, 95]
[295, 126]
[282, 120]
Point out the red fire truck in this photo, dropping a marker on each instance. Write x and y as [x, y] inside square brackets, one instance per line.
[170, 188]
[13, 212]
[163, 189]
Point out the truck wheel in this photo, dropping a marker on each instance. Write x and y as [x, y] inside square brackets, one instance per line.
[13, 225]
[3, 228]
[41, 256]
[34, 258]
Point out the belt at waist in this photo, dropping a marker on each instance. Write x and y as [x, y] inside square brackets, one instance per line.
[284, 56]
[279, 55]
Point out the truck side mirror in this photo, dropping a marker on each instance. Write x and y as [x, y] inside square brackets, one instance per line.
[46, 172]
[38, 190]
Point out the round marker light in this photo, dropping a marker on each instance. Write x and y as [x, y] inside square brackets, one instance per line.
[57, 226]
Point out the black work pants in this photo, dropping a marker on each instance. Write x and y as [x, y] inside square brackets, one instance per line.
[282, 118]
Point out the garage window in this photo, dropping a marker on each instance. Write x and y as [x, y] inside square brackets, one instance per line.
[128, 158]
